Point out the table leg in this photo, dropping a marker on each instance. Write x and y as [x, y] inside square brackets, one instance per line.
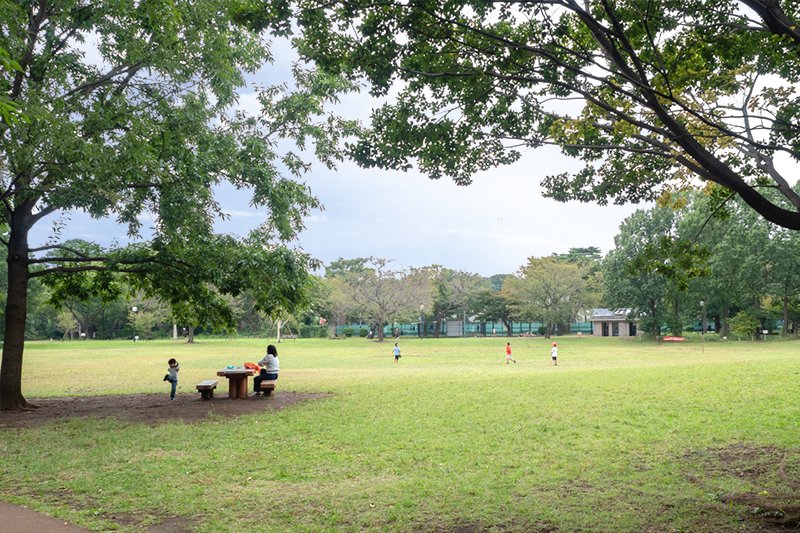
[232, 387]
[243, 388]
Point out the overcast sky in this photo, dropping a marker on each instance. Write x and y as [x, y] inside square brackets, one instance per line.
[490, 227]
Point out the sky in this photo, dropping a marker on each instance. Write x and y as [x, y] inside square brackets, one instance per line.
[489, 227]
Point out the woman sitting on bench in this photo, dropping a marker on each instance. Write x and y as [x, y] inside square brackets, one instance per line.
[269, 369]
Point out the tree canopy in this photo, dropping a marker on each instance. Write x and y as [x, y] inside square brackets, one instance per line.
[131, 114]
[374, 288]
[652, 96]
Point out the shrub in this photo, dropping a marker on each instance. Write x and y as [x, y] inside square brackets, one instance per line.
[309, 332]
[348, 332]
[744, 325]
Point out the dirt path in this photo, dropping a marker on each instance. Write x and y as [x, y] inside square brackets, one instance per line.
[17, 519]
[151, 409]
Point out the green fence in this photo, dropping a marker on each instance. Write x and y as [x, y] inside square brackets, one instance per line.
[471, 329]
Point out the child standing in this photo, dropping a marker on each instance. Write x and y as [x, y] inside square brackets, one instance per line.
[172, 376]
[554, 354]
[508, 354]
[396, 353]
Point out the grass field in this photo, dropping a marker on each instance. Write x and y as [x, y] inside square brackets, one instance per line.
[621, 436]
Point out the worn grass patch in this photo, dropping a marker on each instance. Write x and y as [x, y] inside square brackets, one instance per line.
[763, 479]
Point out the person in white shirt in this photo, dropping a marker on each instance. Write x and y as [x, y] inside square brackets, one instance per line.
[269, 368]
[554, 354]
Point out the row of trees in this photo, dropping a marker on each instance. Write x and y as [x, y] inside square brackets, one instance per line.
[673, 265]
[59, 311]
[367, 290]
[551, 290]
[685, 261]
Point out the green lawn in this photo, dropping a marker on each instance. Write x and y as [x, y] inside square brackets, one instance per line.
[621, 436]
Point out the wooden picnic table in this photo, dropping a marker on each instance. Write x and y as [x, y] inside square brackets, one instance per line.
[237, 380]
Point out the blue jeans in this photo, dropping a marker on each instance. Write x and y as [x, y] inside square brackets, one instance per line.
[174, 382]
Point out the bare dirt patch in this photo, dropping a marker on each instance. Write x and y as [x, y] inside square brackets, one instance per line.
[770, 473]
[150, 409]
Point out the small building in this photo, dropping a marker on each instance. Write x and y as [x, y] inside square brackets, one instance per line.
[613, 322]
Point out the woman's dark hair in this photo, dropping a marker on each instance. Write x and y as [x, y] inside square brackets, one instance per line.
[271, 349]
[172, 361]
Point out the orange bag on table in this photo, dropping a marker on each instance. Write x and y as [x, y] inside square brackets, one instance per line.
[252, 366]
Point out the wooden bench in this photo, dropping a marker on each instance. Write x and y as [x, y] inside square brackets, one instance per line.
[267, 387]
[206, 388]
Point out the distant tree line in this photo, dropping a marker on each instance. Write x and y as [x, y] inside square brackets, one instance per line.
[674, 265]
[690, 259]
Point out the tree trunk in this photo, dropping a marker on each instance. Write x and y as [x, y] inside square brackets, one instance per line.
[785, 329]
[380, 330]
[656, 325]
[676, 327]
[190, 335]
[16, 316]
[726, 319]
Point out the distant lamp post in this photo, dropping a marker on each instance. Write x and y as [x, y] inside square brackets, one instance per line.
[703, 326]
[133, 310]
[420, 325]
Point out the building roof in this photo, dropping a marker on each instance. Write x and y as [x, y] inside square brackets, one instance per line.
[601, 314]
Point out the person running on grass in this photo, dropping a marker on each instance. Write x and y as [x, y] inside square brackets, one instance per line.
[396, 353]
[554, 354]
[508, 353]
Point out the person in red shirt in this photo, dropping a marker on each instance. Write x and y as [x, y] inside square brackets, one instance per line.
[508, 353]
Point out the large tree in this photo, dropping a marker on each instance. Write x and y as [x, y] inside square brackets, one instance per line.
[630, 279]
[493, 304]
[548, 290]
[454, 293]
[385, 293]
[130, 115]
[650, 94]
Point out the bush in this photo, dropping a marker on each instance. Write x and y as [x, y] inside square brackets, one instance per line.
[312, 331]
[744, 325]
[362, 333]
[348, 332]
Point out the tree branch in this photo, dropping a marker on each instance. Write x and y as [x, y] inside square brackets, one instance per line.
[775, 18]
[88, 87]
[85, 268]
